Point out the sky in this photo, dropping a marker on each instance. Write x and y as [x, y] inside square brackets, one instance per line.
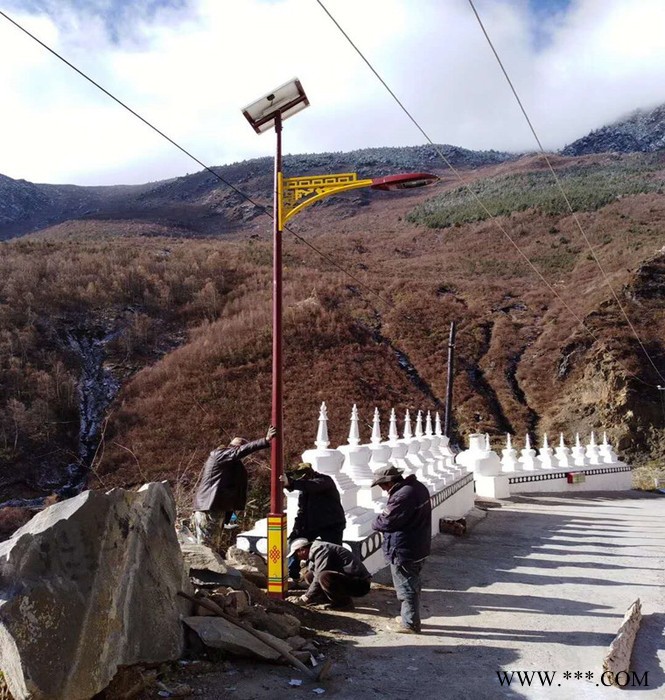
[190, 66]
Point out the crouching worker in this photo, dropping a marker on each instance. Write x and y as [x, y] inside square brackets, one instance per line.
[335, 575]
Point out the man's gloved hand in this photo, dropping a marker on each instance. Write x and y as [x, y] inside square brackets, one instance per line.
[301, 600]
[272, 431]
[284, 479]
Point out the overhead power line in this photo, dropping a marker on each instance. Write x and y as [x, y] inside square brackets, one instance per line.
[474, 195]
[561, 189]
[267, 212]
[245, 196]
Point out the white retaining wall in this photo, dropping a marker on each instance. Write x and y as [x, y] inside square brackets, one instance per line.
[453, 481]
[351, 467]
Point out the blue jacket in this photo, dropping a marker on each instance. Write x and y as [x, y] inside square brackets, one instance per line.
[406, 522]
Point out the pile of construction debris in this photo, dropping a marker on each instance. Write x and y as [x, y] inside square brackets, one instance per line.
[233, 614]
[100, 597]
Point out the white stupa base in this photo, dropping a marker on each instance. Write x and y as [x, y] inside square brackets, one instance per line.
[492, 486]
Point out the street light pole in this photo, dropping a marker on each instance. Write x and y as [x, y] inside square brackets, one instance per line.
[277, 568]
[291, 196]
[266, 113]
[277, 454]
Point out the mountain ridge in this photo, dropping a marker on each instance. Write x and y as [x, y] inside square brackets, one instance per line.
[163, 294]
[26, 207]
[199, 204]
[643, 130]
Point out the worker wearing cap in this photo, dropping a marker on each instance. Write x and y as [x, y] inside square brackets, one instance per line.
[223, 486]
[335, 575]
[406, 524]
[320, 513]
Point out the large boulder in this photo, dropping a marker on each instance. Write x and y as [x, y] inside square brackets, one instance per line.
[89, 585]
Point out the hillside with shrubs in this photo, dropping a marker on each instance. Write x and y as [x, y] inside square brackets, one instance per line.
[173, 328]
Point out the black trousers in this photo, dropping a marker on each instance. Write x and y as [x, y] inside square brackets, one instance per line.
[340, 587]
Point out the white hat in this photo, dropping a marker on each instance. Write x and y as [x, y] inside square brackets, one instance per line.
[297, 544]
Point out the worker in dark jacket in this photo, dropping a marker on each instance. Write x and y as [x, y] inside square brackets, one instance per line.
[320, 513]
[334, 574]
[406, 524]
[223, 486]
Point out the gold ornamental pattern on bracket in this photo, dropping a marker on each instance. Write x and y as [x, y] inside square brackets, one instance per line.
[300, 192]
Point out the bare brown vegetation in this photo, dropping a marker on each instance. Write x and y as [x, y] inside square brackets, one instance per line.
[193, 333]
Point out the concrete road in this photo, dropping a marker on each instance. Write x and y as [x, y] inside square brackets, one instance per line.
[539, 585]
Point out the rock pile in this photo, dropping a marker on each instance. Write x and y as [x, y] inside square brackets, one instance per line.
[252, 625]
[94, 591]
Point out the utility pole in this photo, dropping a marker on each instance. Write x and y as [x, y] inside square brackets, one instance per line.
[449, 386]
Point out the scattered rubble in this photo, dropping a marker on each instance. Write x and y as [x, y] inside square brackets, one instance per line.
[251, 566]
[453, 527]
[207, 569]
[92, 602]
[240, 619]
[218, 633]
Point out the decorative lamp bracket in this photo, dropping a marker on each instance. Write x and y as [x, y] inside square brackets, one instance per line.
[300, 192]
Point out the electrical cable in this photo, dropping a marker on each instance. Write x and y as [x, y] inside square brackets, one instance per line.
[262, 208]
[470, 190]
[561, 189]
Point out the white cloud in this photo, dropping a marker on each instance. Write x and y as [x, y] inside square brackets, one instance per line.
[189, 70]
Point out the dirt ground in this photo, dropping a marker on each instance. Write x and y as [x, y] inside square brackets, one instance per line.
[540, 585]
[334, 634]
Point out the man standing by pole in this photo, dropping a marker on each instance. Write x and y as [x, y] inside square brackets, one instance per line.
[406, 524]
[223, 486]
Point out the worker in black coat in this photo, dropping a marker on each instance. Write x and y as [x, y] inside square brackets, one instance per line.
[223, 486]
[320, 512]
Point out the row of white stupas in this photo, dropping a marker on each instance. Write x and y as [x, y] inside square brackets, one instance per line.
[560, 458]
[426, 452]
[351, 466]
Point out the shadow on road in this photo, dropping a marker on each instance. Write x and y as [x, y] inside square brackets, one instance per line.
[649, 641]
[556, 578]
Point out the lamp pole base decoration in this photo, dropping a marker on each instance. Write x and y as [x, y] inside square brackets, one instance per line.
[277, 567]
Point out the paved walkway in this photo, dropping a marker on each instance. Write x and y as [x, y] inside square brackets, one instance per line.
[541, 584]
